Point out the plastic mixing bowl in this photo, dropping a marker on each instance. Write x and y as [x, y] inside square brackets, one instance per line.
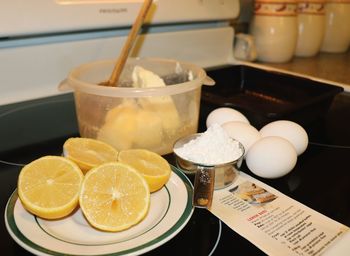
[127, 117]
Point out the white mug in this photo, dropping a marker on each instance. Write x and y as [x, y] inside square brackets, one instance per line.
[274, 27]
[244, 47]
[311, 27]
[337, 31]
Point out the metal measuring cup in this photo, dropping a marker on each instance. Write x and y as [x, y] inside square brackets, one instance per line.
[207, 177]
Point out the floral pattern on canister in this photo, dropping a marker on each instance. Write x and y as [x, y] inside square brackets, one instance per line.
[339, 1]
[314, 7]
[275, 7]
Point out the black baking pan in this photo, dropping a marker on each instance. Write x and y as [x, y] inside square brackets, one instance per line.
[264, 96]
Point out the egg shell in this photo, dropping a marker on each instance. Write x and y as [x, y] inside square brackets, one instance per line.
[271, 157]
[243, 132]
[223, 115]
[289, 130]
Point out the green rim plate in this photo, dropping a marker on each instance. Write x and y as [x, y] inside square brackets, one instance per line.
[170, 210]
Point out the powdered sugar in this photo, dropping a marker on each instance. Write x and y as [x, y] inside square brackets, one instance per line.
[212, 147]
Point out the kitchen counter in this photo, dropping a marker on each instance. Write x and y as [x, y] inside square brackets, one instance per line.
[329, 67]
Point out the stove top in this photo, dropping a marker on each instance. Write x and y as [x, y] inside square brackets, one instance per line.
[320, 179]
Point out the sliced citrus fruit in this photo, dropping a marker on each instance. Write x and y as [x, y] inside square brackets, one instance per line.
[49, 187]
[89, 153]
[114, 197]
[153, 167]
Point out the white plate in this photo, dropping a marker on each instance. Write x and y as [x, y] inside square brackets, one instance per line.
[170, 210]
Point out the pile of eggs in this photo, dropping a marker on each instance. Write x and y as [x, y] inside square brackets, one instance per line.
[270, 152]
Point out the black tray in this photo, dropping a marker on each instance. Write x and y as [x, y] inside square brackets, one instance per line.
[264, 96]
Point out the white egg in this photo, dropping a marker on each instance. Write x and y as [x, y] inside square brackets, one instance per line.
[223, 115]
[271, 157]
[243, 132]
[289, 130]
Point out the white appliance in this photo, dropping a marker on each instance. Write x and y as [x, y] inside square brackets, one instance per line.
[41, 40]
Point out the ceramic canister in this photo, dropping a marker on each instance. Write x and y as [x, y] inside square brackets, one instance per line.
[275, 30]
[337, 30]
[311, 27]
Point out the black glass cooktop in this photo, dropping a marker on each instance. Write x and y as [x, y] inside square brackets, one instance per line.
[320, 180]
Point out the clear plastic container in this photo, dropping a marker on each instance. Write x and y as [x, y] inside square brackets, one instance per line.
[127, 117]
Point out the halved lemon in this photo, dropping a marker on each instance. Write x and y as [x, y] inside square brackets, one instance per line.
[49, 187]
[114, 197]
[153, 167]
[89, 153]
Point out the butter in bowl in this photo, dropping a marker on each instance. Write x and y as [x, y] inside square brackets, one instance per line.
[155, 102]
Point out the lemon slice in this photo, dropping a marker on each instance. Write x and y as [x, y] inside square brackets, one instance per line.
[89, 153]
[114, 197]
[49, 187]
[153, 167]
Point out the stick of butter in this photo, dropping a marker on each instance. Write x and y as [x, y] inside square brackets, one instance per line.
[142, 122]
[120, 125]
[163, 106]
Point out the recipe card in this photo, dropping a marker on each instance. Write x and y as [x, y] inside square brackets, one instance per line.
[274, 222]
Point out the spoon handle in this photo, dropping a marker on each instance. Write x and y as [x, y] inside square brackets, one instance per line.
[129, 43]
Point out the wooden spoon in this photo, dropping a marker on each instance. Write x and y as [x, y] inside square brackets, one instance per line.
[118, 68]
